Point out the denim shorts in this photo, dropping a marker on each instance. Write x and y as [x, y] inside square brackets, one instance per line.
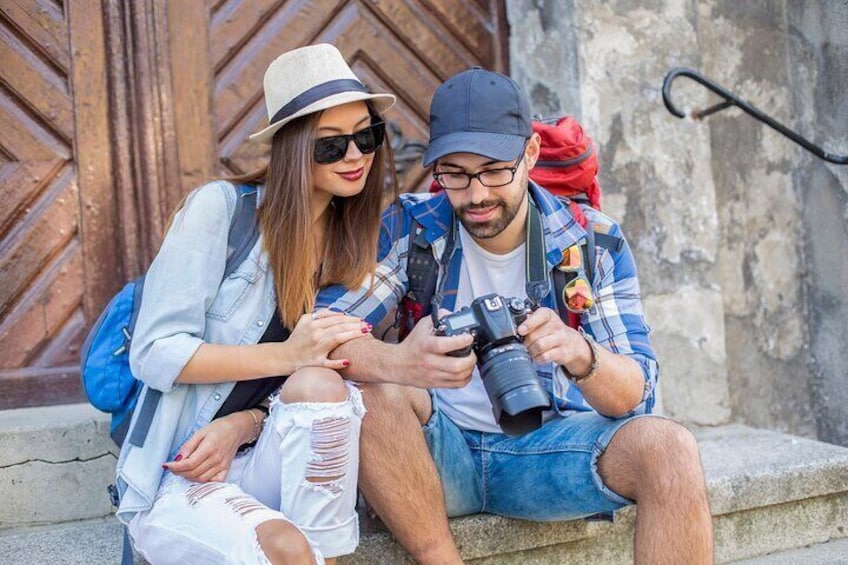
[548, 474]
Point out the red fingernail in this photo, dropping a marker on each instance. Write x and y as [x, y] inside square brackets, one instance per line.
[346, 363]
[178, 457]
[366, 329]
[165, 466]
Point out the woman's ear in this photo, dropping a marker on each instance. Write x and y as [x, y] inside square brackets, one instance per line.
[531, 153]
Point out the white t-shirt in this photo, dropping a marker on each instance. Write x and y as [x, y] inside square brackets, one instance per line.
[482, 273]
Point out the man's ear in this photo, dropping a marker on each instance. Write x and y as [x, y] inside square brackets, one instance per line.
[531, 153]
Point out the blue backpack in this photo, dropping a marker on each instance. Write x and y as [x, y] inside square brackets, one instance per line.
[105, 357]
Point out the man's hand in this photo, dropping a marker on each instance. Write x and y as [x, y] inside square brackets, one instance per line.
[425, 361]
[549, 339]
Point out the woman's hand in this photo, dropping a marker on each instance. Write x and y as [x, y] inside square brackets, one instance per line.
[316, 335]
[208, 454]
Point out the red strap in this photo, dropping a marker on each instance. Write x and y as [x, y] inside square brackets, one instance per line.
[410, 312]
[578, 214]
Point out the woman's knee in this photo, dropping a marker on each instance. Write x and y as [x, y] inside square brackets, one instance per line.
[282, 542]
[314, 384]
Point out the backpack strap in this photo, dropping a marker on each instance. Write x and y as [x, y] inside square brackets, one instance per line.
[422, 271]
[537, 281]
[127, 557]
[243, 228]
[422, 267]
[241, 238]
[607, 241]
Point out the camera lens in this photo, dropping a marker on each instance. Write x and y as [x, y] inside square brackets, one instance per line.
[510, 379]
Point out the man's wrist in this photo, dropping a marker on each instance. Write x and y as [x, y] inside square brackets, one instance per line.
[372, 360]
[593, 361]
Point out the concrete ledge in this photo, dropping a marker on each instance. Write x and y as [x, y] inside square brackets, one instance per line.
[830, 553]
[749, 468]
[759, 531]
[98, 542]
[769, 492]
[58, 461]
[92, 542]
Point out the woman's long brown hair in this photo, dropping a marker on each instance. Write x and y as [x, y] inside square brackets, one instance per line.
[285, 221]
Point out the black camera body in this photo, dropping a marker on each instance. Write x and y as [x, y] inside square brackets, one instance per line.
[508, 373]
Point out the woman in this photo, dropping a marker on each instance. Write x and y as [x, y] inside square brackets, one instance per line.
[218, 348]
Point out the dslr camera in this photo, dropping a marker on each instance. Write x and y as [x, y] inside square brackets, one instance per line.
[509, 376]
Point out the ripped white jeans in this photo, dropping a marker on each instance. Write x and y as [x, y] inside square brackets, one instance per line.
[303, 470]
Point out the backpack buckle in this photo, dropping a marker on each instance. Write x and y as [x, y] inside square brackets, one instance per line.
[127, 337]
[114, 497]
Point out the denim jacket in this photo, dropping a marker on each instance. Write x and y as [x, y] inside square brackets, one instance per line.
[186, 303]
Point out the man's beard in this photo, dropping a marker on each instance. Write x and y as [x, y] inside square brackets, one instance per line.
[493, 227]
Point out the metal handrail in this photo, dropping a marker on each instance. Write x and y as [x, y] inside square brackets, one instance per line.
[731, 99]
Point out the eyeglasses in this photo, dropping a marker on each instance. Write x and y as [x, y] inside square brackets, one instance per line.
[491, 178]
[332, 149]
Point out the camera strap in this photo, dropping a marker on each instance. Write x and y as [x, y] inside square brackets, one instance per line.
[447, 255]
[537, 278]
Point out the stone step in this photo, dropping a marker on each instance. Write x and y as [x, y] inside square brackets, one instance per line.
[769, 492]
[97, 542]
[89, 542]
[55, 463]
[828, 553]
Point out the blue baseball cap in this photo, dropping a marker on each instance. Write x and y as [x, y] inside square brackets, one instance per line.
[481, 112]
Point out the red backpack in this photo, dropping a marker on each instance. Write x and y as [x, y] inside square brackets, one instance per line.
[568, 164]
[568, 168]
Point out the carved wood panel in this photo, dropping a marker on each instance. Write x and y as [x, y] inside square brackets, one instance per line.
[405, 47]
[110, 111]
[45, 303]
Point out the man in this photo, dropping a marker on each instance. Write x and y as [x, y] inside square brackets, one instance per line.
[429, 455]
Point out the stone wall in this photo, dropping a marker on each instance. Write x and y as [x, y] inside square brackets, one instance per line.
[817, 33]
[733, 225]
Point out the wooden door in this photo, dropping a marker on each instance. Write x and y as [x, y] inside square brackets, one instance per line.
[111, 111]
[58, 247]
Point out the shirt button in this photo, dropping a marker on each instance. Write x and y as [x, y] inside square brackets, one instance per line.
[217, 396]
[260, 323]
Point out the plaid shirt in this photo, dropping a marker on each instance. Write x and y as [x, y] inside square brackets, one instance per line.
[616, 321]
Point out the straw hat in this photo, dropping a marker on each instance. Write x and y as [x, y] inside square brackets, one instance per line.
[310, 79]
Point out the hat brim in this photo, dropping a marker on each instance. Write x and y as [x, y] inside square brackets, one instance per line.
[381, 102]
[496, 146]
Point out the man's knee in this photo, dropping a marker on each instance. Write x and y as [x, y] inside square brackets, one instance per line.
[651, 453]
[314, 384]
[388, 402]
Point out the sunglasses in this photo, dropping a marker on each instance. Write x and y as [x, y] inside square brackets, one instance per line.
[577, 294]
[332, 149]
